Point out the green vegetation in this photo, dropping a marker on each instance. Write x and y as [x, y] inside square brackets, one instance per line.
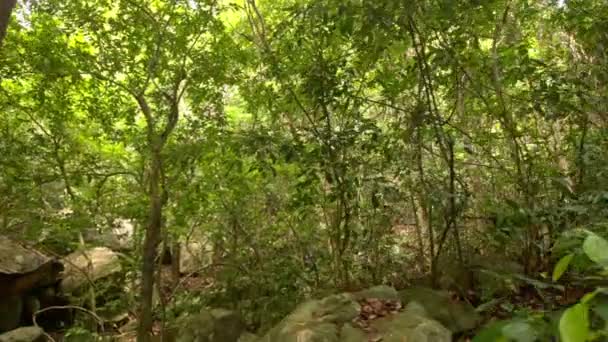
[265, 152]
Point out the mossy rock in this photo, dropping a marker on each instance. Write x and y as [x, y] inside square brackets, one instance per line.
[410, 326]
[352, 334]
[329, 319]
[215, 325]
[248, 337]
[24, 334]
[456, 316]
[313, 332]
[316, 320]
[382, 292]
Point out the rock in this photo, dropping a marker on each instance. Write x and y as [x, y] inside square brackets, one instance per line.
[89, 265]
[194, 255]
[248, 337]
[25, 334]
[347, 318]
[216, 325]
[456, 316]
[315, 320]
[410, 326]
[352, 334]
[16, 258]
[121, 234]
[318, 332]
[118, 236]
[379, 292]
[23, 271]
[495, 276]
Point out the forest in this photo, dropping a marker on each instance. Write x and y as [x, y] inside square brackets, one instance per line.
[304, 170]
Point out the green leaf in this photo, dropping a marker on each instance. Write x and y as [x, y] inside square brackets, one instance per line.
[590, 296]
[601, 309]
[596, 249]
[537, 283]
[574, 324]
[492, 332]
[520, 331]
[562, 266]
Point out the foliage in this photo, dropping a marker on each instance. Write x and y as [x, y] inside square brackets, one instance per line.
[316, 145]
[574, 323]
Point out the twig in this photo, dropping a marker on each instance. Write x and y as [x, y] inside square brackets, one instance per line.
[49, 337]
[99, 320]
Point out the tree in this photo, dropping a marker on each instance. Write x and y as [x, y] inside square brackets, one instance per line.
[6, 9]
[165, 57]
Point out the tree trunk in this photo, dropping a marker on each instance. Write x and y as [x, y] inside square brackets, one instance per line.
[6, 9]
[151, 241]
[419, 217]
[175, 261]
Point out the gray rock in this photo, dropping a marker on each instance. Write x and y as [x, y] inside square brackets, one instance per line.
[352, 334]
[216, 325]
[248, 337]
[22, 270]
[315, 320]
[195, 255]
[314, 332]
[89, 265]
[117, 236]
[456, 316]
[329, 320]
[380, 292]
[409, 326]
[24, 334]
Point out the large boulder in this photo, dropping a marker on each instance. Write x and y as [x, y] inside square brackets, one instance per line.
[410, 325]
[378, 292]
[316, 320]
[456, 316]
[371, 315]
[118, 235]
[24, 273]
[247, 337]
[85, 266]
[24, 334]
[496, 276]
[11, 312]
[194, 255]
[215, 325]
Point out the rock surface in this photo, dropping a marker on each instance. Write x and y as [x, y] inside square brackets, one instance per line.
[17, 259]
[194, 255]
[25, 334]
[89, 265]
[215, 325]
[375, 314]
[24, 273]
[248, 337]
[117, 236]
[456, 316]
[409, 325]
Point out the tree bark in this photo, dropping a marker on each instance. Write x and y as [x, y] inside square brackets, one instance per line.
[6, 9]
[175, 261]
[158, 197]
[152, 239]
